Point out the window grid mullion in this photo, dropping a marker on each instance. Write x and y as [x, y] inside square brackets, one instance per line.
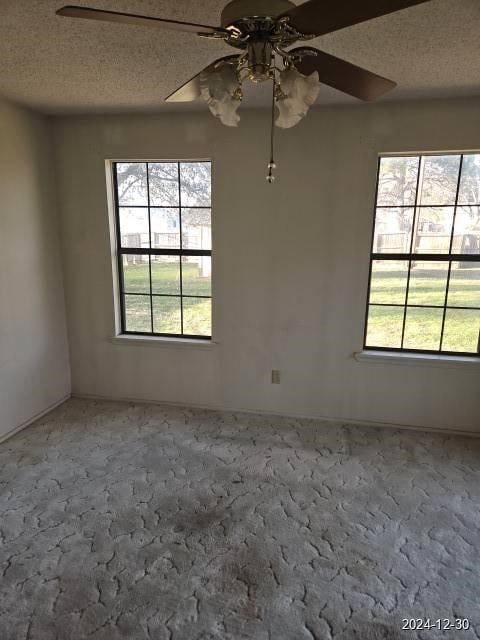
[421, 206]
[168, 206]
[405, 306]
[416, 306]
[414, 222]
[149, 244]
[447, 288]
[121, 282]
[173, 295]
[423, 257]
[181, 244]
[165, 252]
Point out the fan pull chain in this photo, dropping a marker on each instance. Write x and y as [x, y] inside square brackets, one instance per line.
[271, 164]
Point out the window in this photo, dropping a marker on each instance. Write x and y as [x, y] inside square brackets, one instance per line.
[163, 228]
[424, 285]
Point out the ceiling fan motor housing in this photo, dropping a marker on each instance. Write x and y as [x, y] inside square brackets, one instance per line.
[240, 9]
[259, 60]
[256, 21]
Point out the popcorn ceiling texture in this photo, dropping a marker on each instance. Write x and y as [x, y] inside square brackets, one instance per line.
[62, 65]
[144, 522]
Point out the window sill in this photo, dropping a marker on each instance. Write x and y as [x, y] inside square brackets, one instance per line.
[416, 359]
[169, 343]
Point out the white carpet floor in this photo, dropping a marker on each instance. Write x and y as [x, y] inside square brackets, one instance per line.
[138, 522]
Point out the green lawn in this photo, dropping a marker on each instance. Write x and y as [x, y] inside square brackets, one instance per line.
[167, 306]
[166, 279]
[423, 325]
[422, 328]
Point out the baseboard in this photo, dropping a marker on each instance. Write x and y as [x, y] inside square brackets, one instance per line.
[345, 421]
[36, 417]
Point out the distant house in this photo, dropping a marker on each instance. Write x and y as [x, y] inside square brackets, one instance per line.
[165, 234]
[431, 235]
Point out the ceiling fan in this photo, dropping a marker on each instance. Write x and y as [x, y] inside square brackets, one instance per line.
[261, 31]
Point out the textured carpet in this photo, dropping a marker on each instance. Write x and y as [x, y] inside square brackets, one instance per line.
[165, 523]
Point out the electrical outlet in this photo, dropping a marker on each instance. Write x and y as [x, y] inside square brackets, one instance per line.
[275, 376]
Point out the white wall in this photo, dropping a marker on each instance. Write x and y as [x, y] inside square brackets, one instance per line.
[290, 264]
[34, 367]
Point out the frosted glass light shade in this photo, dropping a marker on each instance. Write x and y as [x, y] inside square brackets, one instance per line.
[300, 91]
[218, 89]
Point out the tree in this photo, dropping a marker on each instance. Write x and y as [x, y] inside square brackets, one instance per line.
[195, 180]
[469, 195]
[397, 186]
[438, 184]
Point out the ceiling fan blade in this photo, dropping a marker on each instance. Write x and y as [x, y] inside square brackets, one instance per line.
[324, 16]
[343, 75]
[190, 90]
[131, 18]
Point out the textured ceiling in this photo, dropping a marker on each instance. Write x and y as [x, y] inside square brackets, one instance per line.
[61, 65]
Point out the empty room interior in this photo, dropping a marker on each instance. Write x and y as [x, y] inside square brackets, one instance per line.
[240, 320]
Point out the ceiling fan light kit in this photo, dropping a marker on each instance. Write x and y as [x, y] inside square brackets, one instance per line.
[262, 31]
[298, 94]
[222, 91]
